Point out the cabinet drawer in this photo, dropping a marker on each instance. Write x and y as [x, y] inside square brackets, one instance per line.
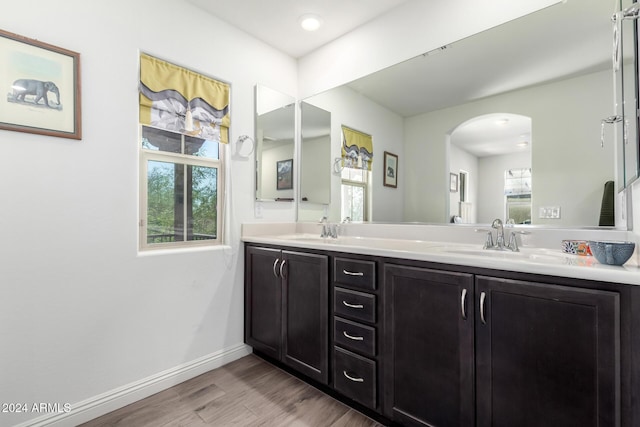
[355, 377]
[354, 305]
[354, 336]
[356, 273]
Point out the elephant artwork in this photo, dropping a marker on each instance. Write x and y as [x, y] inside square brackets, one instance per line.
[37, 88]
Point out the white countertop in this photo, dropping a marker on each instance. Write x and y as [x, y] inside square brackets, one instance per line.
[536, 260]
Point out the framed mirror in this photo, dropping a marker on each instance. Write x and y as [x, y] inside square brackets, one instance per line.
[275, 145]
[627, 101]
[559, 78]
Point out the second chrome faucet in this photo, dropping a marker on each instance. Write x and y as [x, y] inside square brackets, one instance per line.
[500, 244]
[328, 229]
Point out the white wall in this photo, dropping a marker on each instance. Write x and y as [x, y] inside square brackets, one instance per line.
[566, 137]
[349, 108]
[82, 313]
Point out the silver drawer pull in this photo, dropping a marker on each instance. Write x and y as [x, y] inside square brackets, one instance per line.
[353, 273]
[351, 337]
[463, 300]
[354, 379]
[281, 267]
[352, 305]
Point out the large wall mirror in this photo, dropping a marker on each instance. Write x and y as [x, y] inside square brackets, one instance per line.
[552, 67]
[627, 81]
[275, 145]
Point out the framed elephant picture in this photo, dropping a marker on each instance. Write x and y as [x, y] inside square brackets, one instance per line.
[41, 86]
[390, 170]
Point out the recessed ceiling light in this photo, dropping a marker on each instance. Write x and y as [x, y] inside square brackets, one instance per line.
[310, 22]
[522, 143]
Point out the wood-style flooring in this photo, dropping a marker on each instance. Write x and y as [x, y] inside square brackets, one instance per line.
[246, 392]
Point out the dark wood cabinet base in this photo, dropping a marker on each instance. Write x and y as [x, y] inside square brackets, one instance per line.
[413, 343]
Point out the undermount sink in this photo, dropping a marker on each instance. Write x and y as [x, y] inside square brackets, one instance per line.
[539, 255]
[303, 237]
[356, 241]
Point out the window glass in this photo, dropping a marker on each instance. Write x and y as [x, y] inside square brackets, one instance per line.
[203, 202]
[353, 202]
[201, 147]
[161, 202]
[181, 202]
[161, 140]
[181, 177]
[351, 174]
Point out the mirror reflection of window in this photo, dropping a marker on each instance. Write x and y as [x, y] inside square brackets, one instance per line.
[517, 191]
[354, 194]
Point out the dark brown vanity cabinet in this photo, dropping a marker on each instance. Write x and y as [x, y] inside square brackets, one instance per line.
[355, 330]
[429, 354]
[546, 355]
[426, 344]
[286, 308]
[465, 350]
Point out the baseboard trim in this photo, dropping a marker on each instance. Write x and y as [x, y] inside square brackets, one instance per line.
[96, 406]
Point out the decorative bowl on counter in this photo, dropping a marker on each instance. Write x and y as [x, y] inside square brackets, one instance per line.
[576, 247]
[612, 252]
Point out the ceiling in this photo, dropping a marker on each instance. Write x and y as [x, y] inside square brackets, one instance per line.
[276, 21]
[494, 134]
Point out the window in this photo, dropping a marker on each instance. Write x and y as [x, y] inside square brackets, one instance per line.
[354, 194]
[517, 191]
[179, 182]
[357, 158]
[184, 119]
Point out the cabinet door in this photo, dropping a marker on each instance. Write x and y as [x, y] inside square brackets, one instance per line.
[305, 314]
[428, 351]
[263, 300]
[547, 355]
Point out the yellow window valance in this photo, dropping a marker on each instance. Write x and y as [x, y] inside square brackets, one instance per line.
[180, 100]
[357, 149]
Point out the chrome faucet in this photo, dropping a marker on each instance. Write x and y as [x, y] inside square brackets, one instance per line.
[497, 225]
[328, 229]
[325, 230]
[500, 245]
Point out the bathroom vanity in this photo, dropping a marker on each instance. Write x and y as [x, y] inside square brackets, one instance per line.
[440, 334]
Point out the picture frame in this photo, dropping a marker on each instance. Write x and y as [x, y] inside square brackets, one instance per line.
[284, 174]
[41, 86]
[390, 170]
[453, 182]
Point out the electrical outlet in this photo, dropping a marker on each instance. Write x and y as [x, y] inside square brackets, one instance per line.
[258, 210]
[549, 212]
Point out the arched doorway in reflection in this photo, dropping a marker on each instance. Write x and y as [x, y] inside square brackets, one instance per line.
[490, 169]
